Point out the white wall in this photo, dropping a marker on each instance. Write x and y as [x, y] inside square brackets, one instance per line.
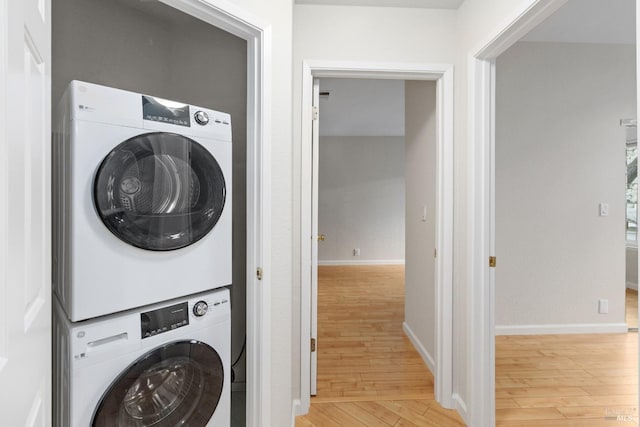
[357, 107]
[420, 164]
[361, 199]
[159, 51]
[560, 151]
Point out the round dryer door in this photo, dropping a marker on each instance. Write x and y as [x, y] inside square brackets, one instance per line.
[178, 384]
[159, 191]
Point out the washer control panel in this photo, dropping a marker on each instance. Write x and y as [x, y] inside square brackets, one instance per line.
[200, 308]
[164, 319]
[201, 117]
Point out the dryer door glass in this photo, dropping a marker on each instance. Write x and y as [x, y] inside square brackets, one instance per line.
[178, 384]
[159, 191]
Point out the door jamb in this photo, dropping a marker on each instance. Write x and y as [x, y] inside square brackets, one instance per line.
[443, 75]
[237, 21]
[480, 206]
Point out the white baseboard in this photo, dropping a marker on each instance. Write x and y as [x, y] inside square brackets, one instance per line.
[362, 262]
[297, 410]
[461, 407]
[578, 328]
[430, 361]
[632, 285]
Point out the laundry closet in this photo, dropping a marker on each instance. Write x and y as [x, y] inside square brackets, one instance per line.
[146, 47]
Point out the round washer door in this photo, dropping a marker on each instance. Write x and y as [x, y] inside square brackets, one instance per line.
[159, 191]
[178, 384]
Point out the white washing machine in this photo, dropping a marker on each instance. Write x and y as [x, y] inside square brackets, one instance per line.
[162, 365]
[141, 200]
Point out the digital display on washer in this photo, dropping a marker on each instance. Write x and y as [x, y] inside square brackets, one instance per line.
[164, 319]
[165, 111]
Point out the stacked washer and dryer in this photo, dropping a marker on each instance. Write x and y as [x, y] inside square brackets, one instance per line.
[142, 255]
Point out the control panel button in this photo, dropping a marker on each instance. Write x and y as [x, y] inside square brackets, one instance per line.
[200, 308]
[201, 118]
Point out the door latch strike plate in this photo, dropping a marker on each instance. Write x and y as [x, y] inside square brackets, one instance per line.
[313, 345]
[259, 273]
[492, 261]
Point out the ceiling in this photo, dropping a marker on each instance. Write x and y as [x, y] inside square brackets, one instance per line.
[589, 21]
[427, 4]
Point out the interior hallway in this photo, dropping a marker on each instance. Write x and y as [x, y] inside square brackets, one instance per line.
[370, 375]
[368, 372]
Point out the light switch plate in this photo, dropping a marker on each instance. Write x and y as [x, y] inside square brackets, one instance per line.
[604, 209]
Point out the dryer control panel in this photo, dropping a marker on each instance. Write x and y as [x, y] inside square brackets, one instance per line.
[165, 111]
[164, 319]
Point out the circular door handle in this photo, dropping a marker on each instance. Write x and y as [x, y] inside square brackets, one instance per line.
[321, 237]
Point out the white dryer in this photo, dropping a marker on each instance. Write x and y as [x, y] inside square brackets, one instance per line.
[162, 365]
[141, 200]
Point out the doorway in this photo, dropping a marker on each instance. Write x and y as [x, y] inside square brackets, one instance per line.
[561, 275]
[153, 60]
[483, 229]
[444, 211]
[361, 239]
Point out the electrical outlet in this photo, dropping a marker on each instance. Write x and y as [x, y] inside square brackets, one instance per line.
[356, 251]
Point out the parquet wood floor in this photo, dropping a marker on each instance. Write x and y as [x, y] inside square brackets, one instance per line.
[370, 375]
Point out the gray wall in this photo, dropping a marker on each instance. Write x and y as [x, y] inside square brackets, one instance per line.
[420, 166]
[151, 48]
[560, 151]
[361, 199]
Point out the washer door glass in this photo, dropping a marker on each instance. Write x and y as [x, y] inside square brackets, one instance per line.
[159, 191]
[178, 384]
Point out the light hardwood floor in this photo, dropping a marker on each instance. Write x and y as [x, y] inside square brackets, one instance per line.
[566, 380]
[632, 308]
[370, 375]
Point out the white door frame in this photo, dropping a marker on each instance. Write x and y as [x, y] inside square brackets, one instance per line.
[481, 204]
[231, 18]
[443, 75]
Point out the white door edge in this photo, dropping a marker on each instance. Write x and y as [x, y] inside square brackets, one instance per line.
[481, 209]
[231, 18]
[25, 212]
[443, 74]
[315, 151]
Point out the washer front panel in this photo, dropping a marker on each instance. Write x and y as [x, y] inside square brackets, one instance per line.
[96, 355]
